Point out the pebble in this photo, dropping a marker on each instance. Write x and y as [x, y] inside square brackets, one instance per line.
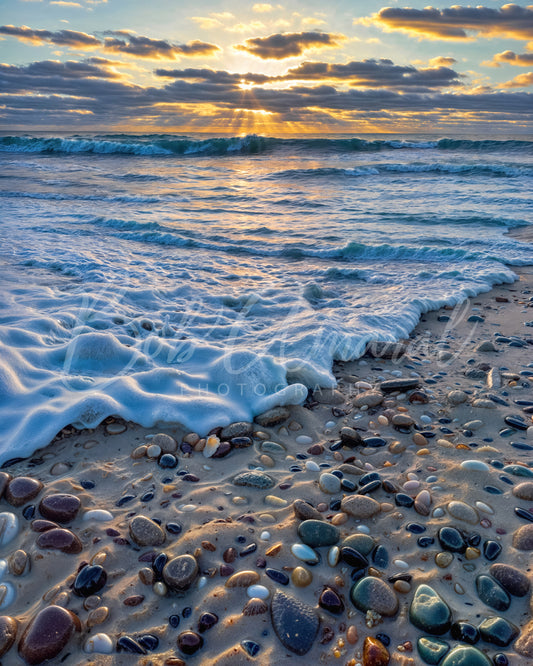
[329, 483]
[465, 654]
[47, 634]
[422, 502]
[524, 644]
[189, 642]
[316, 533]
[360, 506]
[429, 612]
[243, 579]
[180, 572]
[444, 559]
[457, 397]
[19, 564]
[305, 553]
[492, 593]
[115, 428]
[90, 580]
[524, 491]
[375, 653]
[8, 633]
[60, 539]
[486, 345]
[330, 601]
[350, 437]
[258, 591]
[272, 417]
[483, 403]
[305, 440]
[451, 539]
[7, 595]
[432, 650]
[237, 429]
[368, 398]
[251, 479]
[400, 384]
[498, 631]
[255, 606]
[21, 490]
[304, 511]
[523, 538]
[475, 466]
[462, 511]
[145, 532]
[166, 443]
[295, 623]
[100, 515]
[99, 643]
[153, 451]
[60, 507]
[9, 527]
[374, 594]
[511, 579]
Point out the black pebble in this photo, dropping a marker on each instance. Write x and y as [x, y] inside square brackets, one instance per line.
[90, 580]
[174, 621]
[277, 576]
[251, 647]
[149, 641]
[173, 528]
[127, 644]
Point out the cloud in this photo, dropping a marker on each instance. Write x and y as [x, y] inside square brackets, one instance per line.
[520, 81]
[121, 42]
[457, 22]
[312, 21]
[92, 68]
[78, 40]
[63, 3]
[262, 7]
[512, 58]
[289, 44]
[444, 61]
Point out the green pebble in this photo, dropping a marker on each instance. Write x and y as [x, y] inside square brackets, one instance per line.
[363, 543]
[432, 650]
[492, 593]
[498, 631]
[466, 655]
[429, 612]
[317, 533]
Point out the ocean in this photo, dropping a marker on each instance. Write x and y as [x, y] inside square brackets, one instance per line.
[203, 280]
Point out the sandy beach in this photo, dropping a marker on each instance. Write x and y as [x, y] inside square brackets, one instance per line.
[259, 553]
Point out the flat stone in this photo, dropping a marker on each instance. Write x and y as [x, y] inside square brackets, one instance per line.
[374, 594]
[518, 470]
[524, 644]
[368, 398]
[432, 650]
[463, 511]
[486, 346]
[60, 507]
[295, 623]
[363, 543]
[304, 511]
[166, 443]
[360, 506]
[329, 483]
[19, 563]
[350, 437]
[451, 539]
[22, 489]
[402, 420]
[523, 537]
[237, 429]
[456, 397]
[492, 593]
[145, 532]
[272, 417]
[316, 533]
[483, 403]
[60, 539]
[400, 384]
[328, 396]
[180, 572]
[511, 579]
[524, 491]
[466, 655]
[429, 612]
[375, 653]
[254, 480]
[8, 633]
[388, 350]
[9, 527]
[47, 634]
[498, 631]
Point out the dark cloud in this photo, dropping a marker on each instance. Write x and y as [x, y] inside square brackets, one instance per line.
[71, 38]
[457, 22]
[512, 58]
[88, 69]
[289, 44]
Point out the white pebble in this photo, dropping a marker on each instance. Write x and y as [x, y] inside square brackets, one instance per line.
[363, 528]
[304, 439]
[304, 553]
[329, 483]
[330, 424]
[258, 591]
[484, 507]
[187, 508]
[438, 512]
[202, 582]
[396, 373]
[383, 420]
[402, 564]
[425, 418]
[211, 446]
[9, 527]
[409, 486]
[412, 476]
[475, 465]
[312, 466]
[7, 595]
[153, 451]
[100, 643]
[334, 554]
[265, 536]
[101, 515]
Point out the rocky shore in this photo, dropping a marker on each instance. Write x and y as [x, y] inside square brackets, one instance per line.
[388, 521]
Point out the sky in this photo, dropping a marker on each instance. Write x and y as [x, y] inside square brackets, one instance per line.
[234, 67]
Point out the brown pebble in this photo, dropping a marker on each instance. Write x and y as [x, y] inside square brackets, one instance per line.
[243, 579]
[352, 636]
[315, 450]
[8, 633]
[402, 586]
[97, 616]
[322, 507]
[60, 539]
[375, 653]
[397, 447]
[174, 661]
[92, 601]
[134, 600]
[419, 439]
[229, 555]
[19, 563]
[339, 519]
[207, 545]
[22, 489]
[139, 452]
[274, 550]
[146, 576]
[42, 525]
[60, 507]
[301, 577]
[304, 511]
[47, 634]
[145, 532]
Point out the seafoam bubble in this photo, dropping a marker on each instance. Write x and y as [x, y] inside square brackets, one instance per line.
[9, 527]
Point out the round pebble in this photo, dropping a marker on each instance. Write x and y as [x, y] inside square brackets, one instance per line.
[100, 515]
[258, 591]
[99, 643]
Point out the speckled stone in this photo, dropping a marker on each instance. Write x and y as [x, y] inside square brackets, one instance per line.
[462, 511]
[295, 623]
[498, 631]
[60, 507]
[145, 532]
[60, 539]
[523, 537]
[254, 480]
[360, 506]
[272, 417]
[369, 398]
[524, 491]
[465, 655]
[429, 612]
[375, 653]
[457, 397]
[364, 543]
[316, 533]
[432, 650]
[492, 593]
[524, 644]
[374, 594]
[8, 633]
[22, 489]
[451, 539]
[180, 572]
[511, 579]
[166, 443]
[47, 634]
[304, 511]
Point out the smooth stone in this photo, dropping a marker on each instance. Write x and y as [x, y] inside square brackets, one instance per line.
[524, 644]
[360, 506]
[22, 489]
[8, 633]
[277, 576]
[100, 515]
[145, 532]
[295, 623]
[524, 491]
[492, 593]
[180, 572]
[402, 420]
[305, 553]
[189, 642]
[491, 549]
[457, 397]
[60, 507]
[301, 577]
[464, 632]
[353, 558]
[237, 429]
[258, 591]
[316, 533]
[511, 579]
[444, 559]
[486, 345]
[387, 350]
[350, 437]
[483, 403]
[257, 480]
[129, 645]
[363, 543]
[99, 644]
[400, 384]
[374, 594]
[432, 650]
[375, 653]
[329, 483]
[327, 396]
[9, 527]
[465, 655]
[523, 538]
[475, 466]
[429, 612]
[330, 601]
[272, 417]
[5, 478]
[516, 422]
[243, 579]
[47, 634]
[451, 539]
[90, 580]
[60, 539]
[463, 511]
[498, 631]
[19, 563]
[518, 470]
[272, 447]
[304, 511]
[368, 398]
